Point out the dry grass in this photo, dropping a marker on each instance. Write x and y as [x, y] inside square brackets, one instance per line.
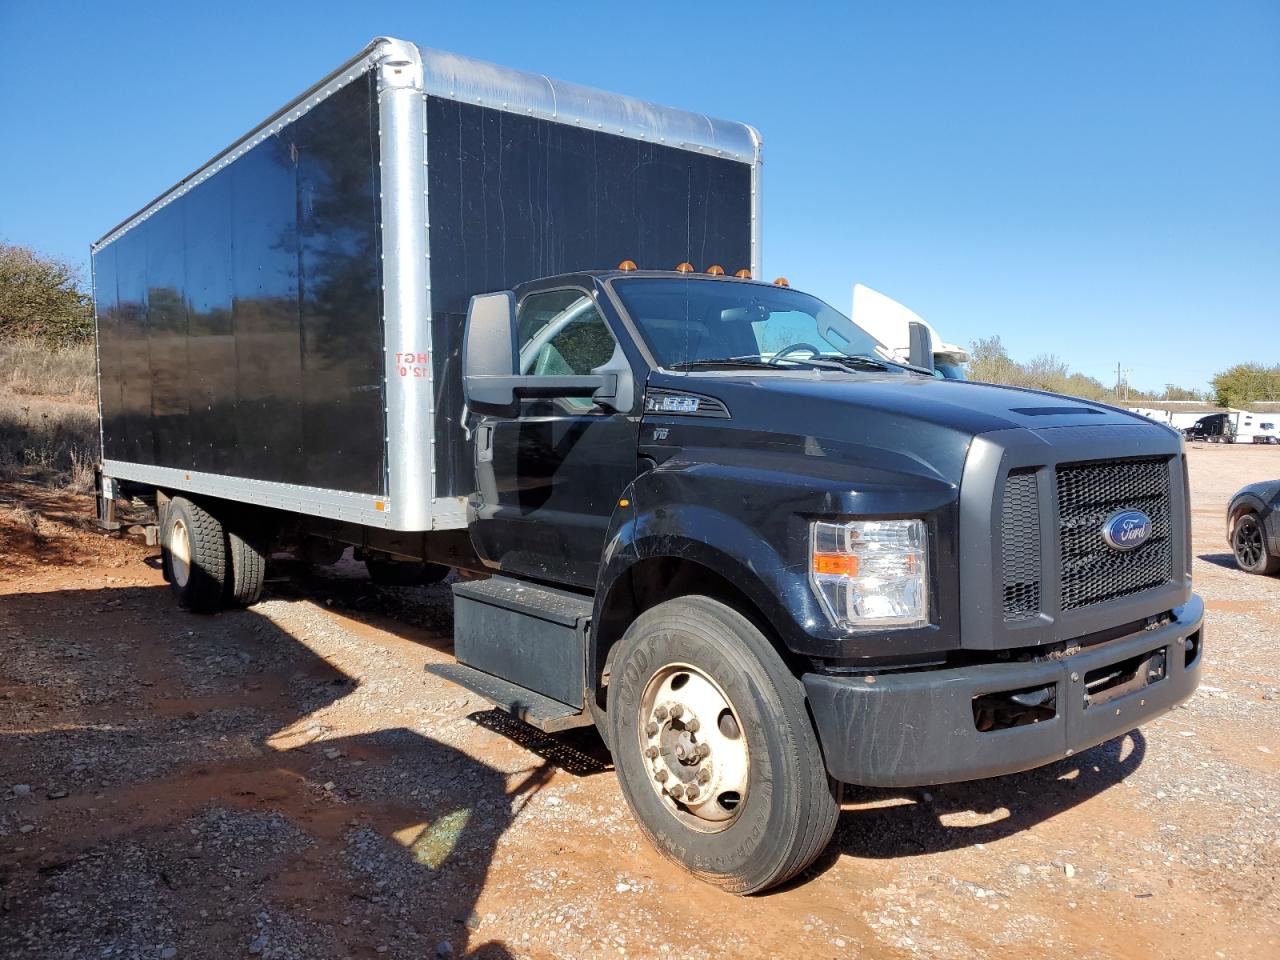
[29, 521]
[48, 412]
[33, 368]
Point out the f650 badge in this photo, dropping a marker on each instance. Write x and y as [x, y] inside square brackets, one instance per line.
[1127, 530]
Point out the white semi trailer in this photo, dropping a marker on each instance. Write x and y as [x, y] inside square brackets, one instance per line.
[890, 322]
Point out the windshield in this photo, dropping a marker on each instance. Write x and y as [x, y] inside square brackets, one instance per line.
[691, 322]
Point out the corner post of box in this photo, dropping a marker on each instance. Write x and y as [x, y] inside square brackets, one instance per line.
[408, 428]
[757, 205]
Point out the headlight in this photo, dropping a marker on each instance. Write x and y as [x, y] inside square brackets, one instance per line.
[871, 573]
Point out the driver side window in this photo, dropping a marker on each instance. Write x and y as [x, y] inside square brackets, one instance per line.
[560, 333]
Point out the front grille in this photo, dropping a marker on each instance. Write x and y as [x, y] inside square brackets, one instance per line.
[1020, 546]
[1090, 493]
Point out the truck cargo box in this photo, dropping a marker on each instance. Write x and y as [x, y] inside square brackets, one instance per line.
[283, 327]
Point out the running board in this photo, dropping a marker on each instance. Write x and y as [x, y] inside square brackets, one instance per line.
[549, 716]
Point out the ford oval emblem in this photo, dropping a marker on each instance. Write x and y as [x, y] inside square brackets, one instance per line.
[1127, 530]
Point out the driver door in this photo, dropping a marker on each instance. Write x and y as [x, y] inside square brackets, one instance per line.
[549, 478]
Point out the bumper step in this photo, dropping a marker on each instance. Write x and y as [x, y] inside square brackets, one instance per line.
[548, 715]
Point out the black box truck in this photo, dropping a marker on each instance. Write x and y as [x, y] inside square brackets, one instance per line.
[465, 318]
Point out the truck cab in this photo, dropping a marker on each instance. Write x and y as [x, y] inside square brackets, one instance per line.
[690, 481]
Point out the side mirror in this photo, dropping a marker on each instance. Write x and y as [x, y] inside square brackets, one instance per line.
[490, 381]
[489, 354]
[921, 352]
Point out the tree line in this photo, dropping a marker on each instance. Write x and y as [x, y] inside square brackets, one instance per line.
[1236, 386]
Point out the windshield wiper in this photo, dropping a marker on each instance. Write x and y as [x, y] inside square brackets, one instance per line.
[751, 363]
[866, 361]
[824, 362]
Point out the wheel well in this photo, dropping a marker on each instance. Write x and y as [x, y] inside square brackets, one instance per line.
[1238, 511]
[654, 581]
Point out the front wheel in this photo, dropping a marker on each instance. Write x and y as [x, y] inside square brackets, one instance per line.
[714, 749]
[1249, 544]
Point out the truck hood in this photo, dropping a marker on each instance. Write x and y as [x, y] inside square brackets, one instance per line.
[973, 408]
[901, 423]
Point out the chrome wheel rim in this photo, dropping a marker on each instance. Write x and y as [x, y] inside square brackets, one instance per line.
[694, 748]
[179, 553]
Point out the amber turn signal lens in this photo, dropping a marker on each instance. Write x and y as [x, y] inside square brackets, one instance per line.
[782, 282]
[715, 270]
[627, 265]
[743, 274]
[684, 268]
[840, 564]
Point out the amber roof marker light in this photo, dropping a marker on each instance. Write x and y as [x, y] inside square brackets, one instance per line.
[626, 266]
[782, 282]
[743, 274]
[715, 270]
[684, 268]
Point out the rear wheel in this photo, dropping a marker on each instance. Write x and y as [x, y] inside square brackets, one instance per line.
[247, 554]
[714, 749]
[194, 555]
[1249, 544]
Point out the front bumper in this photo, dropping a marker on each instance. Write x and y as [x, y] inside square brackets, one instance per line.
[917, 728]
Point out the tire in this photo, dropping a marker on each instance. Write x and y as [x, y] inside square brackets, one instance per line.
[247, 555]
[404, 573]
[787, 812]
[194, 555]
[1249, 544]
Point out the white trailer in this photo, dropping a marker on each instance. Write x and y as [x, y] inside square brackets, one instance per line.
[890, 322]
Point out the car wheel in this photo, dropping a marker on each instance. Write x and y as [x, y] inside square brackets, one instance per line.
[1249, 544]
[714, 749]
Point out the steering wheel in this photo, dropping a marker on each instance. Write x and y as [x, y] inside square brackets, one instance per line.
[801, 345]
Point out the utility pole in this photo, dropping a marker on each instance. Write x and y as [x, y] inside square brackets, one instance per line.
[1122, 379]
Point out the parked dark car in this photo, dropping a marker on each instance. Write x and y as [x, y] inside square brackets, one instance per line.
[1253, 527]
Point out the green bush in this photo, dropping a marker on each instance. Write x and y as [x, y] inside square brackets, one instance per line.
[42, 297]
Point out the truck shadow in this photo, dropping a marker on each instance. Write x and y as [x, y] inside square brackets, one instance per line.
[188, 786]
[886, 823]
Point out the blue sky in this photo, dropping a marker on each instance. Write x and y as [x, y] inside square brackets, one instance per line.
[1096, 180]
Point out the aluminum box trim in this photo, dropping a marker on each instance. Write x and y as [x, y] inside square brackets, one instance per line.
[360, 508]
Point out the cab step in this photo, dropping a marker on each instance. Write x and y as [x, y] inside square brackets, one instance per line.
[548, 715]
[531, 635]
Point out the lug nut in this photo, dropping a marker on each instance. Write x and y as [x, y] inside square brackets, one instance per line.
[651, 752]
[677, 712]
[704, 775]
[661, 713]
[651, 728]
[692, 725]
[661, 776]
[691, 792]
[677, 791]
[704, 750]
